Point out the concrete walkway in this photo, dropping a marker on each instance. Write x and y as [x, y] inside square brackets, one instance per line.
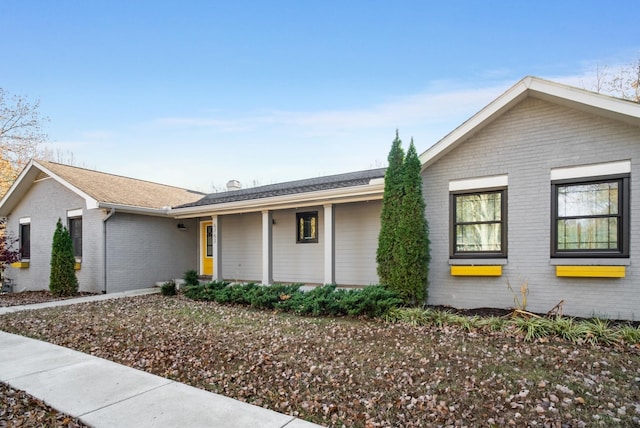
[105, 394]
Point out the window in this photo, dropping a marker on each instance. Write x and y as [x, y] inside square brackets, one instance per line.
[590, 217]
[25, 241]
[75, 230]
[209, 241]
[307, 227]
[479, 224]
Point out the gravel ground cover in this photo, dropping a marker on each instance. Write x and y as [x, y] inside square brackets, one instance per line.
[350, 372]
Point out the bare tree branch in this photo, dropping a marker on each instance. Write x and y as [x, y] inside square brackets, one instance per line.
[21, 134]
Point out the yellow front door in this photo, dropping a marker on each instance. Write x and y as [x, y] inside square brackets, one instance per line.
[206, 248]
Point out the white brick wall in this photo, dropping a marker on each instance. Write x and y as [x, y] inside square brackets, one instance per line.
[526, 143]
[143, 250]
[44, 203]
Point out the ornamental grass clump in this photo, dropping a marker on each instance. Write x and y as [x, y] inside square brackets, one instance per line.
[599, 331]
[629, 334]
[569, 329]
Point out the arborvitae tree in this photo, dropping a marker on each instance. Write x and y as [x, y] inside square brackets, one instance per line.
[411, 252]
[390, 211]
[62, 281]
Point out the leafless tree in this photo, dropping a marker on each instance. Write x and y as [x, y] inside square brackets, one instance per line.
[21, 135]
[623, 82]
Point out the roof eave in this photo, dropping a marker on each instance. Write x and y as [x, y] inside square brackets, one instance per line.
[372, 191]
[24, 181]
[90, 201]
[558, 93]
[17, 190]
[130, 209]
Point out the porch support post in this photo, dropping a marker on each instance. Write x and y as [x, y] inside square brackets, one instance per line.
[217, 248]
[329, 250]
[267, 246]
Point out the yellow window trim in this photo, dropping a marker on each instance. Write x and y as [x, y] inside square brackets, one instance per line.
[484, 270]
[20, 265]
[591, 271]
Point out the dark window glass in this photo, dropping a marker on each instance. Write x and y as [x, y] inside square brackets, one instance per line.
[209, 243]
[307, 227]
[75, 230]
[25, 241]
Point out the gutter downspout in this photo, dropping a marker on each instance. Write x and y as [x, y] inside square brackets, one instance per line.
[104, 238]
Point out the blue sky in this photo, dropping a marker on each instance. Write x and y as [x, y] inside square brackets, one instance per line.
[195, 93]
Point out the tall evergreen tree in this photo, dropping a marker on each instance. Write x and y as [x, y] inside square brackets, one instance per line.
[411, 252]
[390, 211]
[62, 280]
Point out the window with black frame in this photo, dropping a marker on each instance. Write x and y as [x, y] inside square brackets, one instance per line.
[25, 241]
[307, 227]
[590, 217]
[75, 230]
[478, 222]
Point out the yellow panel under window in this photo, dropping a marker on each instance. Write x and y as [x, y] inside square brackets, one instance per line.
[77, 265]
[487, 270]
[591, 271]
[20, 265]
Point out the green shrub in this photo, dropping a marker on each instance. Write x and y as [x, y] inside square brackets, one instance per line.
[168, 288]
[318, 301]
[204, 291]
[62, 279]
[372, 301]
[191, 277]
[268, 296]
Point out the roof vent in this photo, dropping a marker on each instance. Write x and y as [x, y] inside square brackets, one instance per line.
[234, 185]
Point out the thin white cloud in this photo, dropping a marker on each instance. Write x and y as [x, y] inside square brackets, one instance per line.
[422, 108]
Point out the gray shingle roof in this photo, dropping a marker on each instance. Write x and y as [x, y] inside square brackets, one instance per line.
[350, 179]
